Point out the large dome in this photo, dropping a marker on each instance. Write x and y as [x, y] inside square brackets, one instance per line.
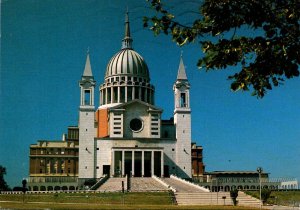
[127, 62]
[126, 77]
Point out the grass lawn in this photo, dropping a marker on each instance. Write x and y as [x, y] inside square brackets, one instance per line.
[159, 198]
[145, 200]
[60, 206]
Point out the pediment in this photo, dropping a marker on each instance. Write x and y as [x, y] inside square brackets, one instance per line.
[137, 103]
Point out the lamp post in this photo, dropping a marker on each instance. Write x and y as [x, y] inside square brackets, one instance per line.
[259, 170]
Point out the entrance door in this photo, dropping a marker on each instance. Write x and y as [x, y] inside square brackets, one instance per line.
[137, 163]
[106, 169]
[147, 164]
[128, 163]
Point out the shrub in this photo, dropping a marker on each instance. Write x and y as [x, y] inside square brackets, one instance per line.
[265, 195]
[234, 194]
[90, 182]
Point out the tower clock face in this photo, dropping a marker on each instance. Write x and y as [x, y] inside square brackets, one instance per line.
[136, 125]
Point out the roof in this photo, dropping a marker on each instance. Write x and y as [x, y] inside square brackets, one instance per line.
[127, 62]
[154, 108]
[181, 75]
[233, 172]
[87, 69]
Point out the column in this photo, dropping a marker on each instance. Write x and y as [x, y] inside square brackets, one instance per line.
[140, 93]
[112, 173]
[111, 94]
[123, 162]
[125, 94]
[133, 92]
[152, 163]
[92, 96]
[162, 164]
[146, 94]
[101, 98]
[143, 171]
[132, 164]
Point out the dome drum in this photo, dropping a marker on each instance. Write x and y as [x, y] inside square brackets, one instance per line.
[116, 93]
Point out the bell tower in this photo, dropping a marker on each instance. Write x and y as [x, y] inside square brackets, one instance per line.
[182, 121]
[86, 123]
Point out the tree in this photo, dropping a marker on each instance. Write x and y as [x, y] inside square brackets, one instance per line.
[234, 194]
[265, 59]
[3, 184]
[265, 195]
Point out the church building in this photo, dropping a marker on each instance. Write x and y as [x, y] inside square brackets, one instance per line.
[125, 134]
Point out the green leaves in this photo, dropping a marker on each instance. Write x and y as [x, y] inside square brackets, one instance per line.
[267, 56]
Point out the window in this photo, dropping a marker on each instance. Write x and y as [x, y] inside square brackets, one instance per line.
[117, 132]
[182, 100]
[87, 97]
[136, 125]
[115, 93]
[129, 93]
[122, 96]
[154, 133]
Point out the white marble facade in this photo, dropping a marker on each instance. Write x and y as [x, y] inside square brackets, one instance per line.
[138, 141]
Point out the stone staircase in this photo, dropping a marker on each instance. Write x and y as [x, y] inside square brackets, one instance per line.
[143, 184]
[247, 200]
[113, 185]
[203, 198]
[189, 194]
[181, 186]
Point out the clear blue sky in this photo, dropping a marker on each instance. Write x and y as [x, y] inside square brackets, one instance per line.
[43, 52]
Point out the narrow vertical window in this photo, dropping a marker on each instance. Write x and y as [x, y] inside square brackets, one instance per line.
[143, 94]
[137, 92]
[122, 96]
[129, 93]
[87, 97]
[115, 97]
[182, 100]
[104, 96]
[109, 95]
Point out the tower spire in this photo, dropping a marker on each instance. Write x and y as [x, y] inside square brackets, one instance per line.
[87, 69]
[127, 41]
[181, 75]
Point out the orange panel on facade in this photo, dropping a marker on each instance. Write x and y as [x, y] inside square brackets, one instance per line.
[102, 118]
